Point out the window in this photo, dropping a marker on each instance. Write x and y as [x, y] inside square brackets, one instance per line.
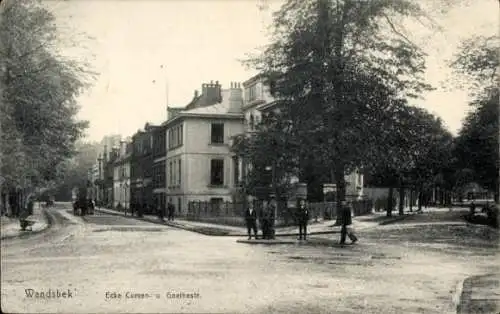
[217, 133]
[174, 179]
[170, 174]
[175, 136]
[217, 172]
[179, 205]
[180, 171]
[252, 93]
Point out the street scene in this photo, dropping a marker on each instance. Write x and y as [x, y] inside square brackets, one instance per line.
[295, 156]
[396, 267]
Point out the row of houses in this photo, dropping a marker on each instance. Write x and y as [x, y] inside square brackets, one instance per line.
[188, 157]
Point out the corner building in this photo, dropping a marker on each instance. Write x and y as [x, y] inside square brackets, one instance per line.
[199, 163]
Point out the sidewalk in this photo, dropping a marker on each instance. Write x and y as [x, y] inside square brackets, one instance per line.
[10, 227]
[480, 294]
[314, 228]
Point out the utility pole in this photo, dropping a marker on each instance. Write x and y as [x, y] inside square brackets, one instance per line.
[164, 74]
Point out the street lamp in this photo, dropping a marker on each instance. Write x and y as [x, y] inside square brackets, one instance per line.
[274, 189]
[99, 192]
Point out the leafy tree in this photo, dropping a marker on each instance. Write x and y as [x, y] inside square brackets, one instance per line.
[74, 171]
[339, 69]
[477, 145]
[416, 155]
[271, 155]
[39, 89]
[477, 142]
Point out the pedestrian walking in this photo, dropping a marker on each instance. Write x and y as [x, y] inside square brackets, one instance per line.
[171, 211]
[161, 212]
[303, 219]
[251, 221]
[347, 229]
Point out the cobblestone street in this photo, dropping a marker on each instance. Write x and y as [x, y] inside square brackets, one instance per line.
[107, 256]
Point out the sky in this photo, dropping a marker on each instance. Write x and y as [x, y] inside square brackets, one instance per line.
[197, 41]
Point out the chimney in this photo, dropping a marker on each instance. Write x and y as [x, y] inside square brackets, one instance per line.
[235, 98]
[195, 93]
[212, 93]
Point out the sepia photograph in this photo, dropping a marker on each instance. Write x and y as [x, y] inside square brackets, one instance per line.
[249, 156]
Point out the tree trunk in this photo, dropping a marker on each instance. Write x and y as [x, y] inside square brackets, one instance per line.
[420, 199]
[390, 202]
[401, 199]
[411, 199]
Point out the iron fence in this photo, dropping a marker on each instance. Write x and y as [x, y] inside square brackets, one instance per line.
[229, 213]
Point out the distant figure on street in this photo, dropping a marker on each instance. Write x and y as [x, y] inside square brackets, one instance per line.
[171, 211]
[268, 220]
[303, 219]
[346, 225]
[251, 221]
[161, 212]
[472, 208]
[265, 222]
[30, 205]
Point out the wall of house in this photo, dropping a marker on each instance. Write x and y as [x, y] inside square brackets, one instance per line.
[195, 158]
[121, 185]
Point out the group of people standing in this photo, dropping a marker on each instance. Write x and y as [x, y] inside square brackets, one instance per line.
[266, 220]
[302, 216]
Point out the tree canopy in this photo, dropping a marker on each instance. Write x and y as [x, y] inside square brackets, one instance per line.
[39, 91]
[477, 145]
[339, 71]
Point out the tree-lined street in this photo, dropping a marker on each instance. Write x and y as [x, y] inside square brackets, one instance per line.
[337, 103]
[408, 269]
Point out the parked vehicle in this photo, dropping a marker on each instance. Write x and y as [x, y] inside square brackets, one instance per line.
[83, 205]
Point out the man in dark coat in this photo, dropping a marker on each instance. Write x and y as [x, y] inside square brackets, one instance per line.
[346, 223]
[171, 210]
[161, 212]
[251, 221]
[264, 222]
[303, 219]
[269, 218]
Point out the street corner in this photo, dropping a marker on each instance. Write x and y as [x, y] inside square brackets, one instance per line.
[480, 294]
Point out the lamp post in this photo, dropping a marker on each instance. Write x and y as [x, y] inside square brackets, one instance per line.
[100, 186]
[274, 189]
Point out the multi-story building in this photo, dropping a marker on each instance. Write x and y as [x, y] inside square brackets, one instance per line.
[121, 177]
[141, 171]
[93, 178]
[258, 101]
[160, 166]
[199, 162]
[108, 142]
[108, 179]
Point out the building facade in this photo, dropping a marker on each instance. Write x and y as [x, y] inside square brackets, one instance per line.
[199, 161]
[141, 171]
[160, 166]
[109, 169]
[121, 177]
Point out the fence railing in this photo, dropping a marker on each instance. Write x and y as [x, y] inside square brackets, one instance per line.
[229, 213]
